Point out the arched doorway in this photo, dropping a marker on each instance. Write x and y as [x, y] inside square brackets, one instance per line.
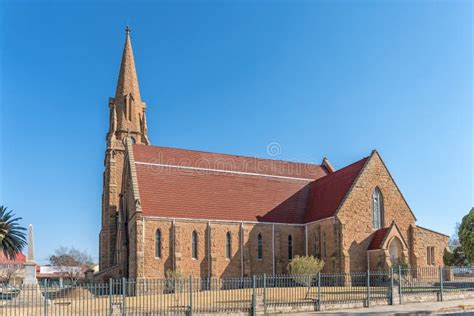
[395, 249]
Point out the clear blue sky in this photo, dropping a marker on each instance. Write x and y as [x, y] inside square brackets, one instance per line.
[321, 78]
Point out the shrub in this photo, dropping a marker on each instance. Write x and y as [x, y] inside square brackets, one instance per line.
[173, 274]
[304, 269]
[172, 280]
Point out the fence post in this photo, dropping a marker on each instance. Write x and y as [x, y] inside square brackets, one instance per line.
[190, 295]
[265, 293]
[318, 306]
[124, 296]
[368, 288]
[110, 296]
[45, 285]
[254, 297]
[400, 284]
[190, 311]
[391, 285]
[441, 283]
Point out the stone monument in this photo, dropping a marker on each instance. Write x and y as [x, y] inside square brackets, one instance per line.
[30, 292]
[30, 264]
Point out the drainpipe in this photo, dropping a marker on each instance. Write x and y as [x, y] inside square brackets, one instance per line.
[306, 239]
[209, 249]
[368, 262]
[273, 248]
[173, 231]
[241, 249]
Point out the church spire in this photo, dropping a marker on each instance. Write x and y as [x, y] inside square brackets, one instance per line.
[127, 84]
[127, 110]
[127, 123]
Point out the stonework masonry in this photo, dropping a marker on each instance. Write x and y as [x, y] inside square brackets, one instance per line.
[211, 258]
[424, 238]
[324, 242]
[356, 217]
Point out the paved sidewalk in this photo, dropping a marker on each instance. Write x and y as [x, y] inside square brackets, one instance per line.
[464, 307]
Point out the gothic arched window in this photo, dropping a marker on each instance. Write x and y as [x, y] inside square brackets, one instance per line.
[194, 245]
[228, 243]
[158, 243]
[377, 209]
[290, 247]
[259, 247]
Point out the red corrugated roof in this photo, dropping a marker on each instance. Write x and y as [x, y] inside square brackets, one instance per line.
[378, 238]
[226, 187]
[19, 259]
[328, 192]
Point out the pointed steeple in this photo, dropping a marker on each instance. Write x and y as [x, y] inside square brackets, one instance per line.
[128, 81]
[127, 110]
[127, 122]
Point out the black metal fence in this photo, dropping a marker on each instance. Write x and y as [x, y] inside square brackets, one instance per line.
[435, 281]
[233, 295]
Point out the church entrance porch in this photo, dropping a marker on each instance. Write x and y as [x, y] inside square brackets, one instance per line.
[386, 249]
[395, 251]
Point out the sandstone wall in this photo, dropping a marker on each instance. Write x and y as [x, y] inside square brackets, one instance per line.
[327, 229]
[156, 267]
[183, 242]
[253, 265]
[215, 264]
[112, 183]
[355, 214]
[221, 266]
[281, 242]
[423, 238]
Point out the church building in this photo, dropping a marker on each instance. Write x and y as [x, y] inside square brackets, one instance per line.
[219, 215]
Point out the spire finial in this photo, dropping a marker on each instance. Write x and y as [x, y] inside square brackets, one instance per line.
[127, 81]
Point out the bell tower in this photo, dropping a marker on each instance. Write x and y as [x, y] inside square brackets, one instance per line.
[127, 119]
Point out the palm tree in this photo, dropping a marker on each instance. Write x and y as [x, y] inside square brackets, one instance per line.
[12, 235]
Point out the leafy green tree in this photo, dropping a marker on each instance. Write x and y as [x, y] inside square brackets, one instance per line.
[454, 258]
[303, 269]
[12, 235]
[466, 235]
[448, 258]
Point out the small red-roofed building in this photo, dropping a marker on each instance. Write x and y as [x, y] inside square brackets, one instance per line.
[218, 215]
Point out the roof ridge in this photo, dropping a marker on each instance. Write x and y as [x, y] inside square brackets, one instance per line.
[230, 155]
[430, 230]
[216, 170]
[342, 169]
